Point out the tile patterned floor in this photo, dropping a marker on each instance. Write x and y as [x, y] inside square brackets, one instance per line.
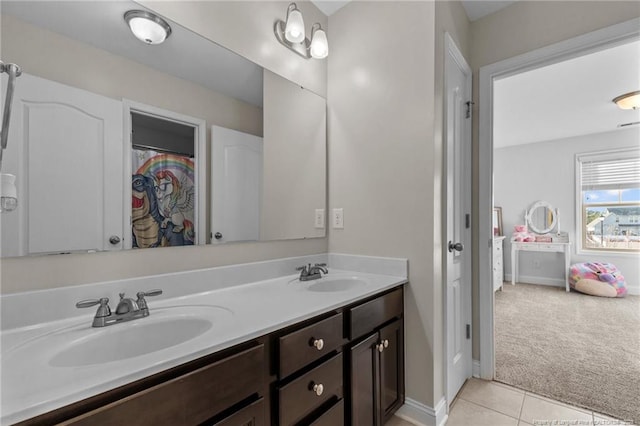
[484, 403]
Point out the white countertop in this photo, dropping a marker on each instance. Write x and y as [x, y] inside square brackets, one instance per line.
[31, 386]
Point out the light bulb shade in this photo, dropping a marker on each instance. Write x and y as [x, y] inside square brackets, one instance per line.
[319, 45]
[294, 29]
[8, 193]
[629, 100]
[147, 27]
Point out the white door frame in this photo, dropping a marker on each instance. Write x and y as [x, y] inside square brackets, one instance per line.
[574, 47]
[200, 127]
[453, 57]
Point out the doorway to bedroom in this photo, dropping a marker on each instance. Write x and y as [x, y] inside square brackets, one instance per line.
[550, 124]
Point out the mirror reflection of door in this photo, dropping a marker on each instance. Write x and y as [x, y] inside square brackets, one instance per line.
[163, 182]
[236, 185]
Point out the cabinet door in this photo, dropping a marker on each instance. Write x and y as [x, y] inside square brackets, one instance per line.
[66, 149]
[391, 368]
[365, 384]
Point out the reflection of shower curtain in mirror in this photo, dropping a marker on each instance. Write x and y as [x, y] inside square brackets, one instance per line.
[163, 199]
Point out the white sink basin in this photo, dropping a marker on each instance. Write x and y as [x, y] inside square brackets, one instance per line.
[138, 339]
[330, 284]
[83, 345]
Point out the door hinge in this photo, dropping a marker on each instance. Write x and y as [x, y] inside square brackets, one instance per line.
[469, 104]
[468, 331]
[467, 221]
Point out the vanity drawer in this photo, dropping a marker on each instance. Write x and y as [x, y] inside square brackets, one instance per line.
[298, 399]
[334, 416]
[188, 399]
[306, 345]
[366, 317]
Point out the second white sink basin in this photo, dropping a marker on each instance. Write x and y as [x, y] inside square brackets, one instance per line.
[330, 284]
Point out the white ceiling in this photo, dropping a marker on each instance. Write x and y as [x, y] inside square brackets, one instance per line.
[475, 9]
[566, 99]
[184, 54]
[329, 7]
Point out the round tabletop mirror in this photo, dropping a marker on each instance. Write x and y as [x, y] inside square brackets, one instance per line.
[541, 217]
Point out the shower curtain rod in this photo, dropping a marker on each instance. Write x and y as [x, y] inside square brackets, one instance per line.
[14, 72]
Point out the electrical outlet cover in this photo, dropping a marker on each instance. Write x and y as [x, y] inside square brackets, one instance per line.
[338, 219]
[319, 219]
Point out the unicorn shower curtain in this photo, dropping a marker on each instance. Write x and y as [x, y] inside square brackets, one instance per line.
[163, 199]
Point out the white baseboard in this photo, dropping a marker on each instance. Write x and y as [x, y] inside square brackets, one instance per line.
[532, 279]
[420, 414]
[475, 369]
[555, 282]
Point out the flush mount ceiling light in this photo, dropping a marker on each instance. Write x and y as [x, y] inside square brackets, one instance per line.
[629, 100]
[147, 27]
[292, 35]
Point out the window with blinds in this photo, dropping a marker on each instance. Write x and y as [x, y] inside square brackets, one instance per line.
[609, 200]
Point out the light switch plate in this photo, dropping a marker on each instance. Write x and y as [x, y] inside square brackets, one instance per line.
[319, 219]
[337, 219]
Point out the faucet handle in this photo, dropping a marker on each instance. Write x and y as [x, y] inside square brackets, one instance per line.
[142, 303]
[302, 268]
[142, 294]
[103, 311]
[91, 302]
[320, 264]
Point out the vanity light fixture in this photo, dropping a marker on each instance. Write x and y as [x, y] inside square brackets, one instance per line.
[292, 35]
[629, 100]
[147, 27]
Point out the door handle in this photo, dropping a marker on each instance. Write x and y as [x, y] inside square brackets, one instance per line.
[456, 247]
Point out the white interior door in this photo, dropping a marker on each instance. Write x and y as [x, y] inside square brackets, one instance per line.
[66, 150]
[458, 154]
[236, 175]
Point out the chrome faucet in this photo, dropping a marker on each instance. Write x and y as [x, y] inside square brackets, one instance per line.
[127, 309]
[308, 273]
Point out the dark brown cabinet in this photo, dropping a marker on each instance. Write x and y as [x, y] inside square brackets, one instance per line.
[376, 362]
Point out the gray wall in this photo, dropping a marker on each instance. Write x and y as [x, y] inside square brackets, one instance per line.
[545, 171]
[295, 154]
[385, 156]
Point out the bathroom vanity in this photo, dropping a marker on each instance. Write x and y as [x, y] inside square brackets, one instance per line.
[324, 352]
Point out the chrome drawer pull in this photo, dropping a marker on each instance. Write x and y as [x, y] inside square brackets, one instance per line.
[317, 388]
[380, 347]
[318, 344]
[385, 342]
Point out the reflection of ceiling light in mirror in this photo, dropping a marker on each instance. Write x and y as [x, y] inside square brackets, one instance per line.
[147, 27]
[629, 100]
[8, 192]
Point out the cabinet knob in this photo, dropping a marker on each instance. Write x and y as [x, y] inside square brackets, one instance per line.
[114, 239]
[318, 344]
[380, 347]
[317, 388]
[385, 342]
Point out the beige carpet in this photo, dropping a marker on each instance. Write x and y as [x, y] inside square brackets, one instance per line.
[579, 349]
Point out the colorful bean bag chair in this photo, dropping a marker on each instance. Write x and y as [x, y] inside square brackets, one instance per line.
[597, 279]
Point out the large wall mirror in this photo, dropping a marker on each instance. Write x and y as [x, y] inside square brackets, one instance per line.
[117, 144]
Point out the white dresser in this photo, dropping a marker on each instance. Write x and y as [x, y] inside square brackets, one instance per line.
[498, 262]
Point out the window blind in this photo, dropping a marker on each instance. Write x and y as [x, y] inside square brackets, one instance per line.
[611, 173]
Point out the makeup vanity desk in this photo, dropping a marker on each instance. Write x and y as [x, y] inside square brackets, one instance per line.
[564, 248]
